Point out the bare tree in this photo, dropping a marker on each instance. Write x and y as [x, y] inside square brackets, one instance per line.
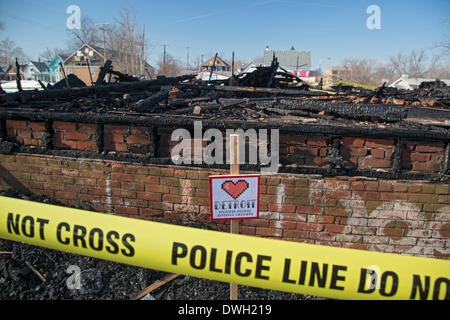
[359, 71]
[439, 71]
[415, 64]
[128, 43]
[87, 34]
[9, 52]
[444, 45]
[50, 54]
[170, 68]
[197, 62]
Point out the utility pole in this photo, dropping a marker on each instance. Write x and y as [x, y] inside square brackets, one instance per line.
[232, 64]
[187, 57]
[102, 24]
[164, 56]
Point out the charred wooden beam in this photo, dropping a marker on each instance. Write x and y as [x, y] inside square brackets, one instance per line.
[209, 107]
[212, 68]
[18, 77]
[397, 154]
[103, 71]
[42, 85]
[3, 133]
[152, 132]
[151, 85]
[274, 67]
[383, 112]
[324, 128]
[282, 111]
[446, 162]
[48, 134]
[89, 70]
[122, 77]
[146, 104]
[254, 90]
[64, 74]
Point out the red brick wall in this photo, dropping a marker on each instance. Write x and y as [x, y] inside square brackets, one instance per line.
[305, 151]
[425, 157]
[127, 139]
[69, 135]
[367, 153]
[408, 217]
[26, 132]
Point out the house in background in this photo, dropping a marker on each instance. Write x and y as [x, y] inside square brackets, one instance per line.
[335, 74]
[407, 83]
[291, 60]
[90, 58]
[11, 72]
[220, 65]
[36, 70]
[77, 64]
[54, 68]
[205, 75]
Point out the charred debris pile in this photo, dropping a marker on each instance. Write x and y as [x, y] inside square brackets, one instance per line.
[265, 95]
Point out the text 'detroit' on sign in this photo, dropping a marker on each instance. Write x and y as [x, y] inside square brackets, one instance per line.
[234, 197]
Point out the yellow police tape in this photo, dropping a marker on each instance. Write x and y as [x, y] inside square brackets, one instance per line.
[266, 263]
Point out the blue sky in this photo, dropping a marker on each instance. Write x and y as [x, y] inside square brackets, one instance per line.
[329, 29]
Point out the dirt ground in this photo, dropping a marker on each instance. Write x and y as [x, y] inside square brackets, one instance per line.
[104, 280]
[75, 277]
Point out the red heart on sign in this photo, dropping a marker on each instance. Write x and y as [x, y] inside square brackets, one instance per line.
[235, 189]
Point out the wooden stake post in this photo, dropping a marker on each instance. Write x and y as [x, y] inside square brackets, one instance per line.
[243, 189]
[234, 224]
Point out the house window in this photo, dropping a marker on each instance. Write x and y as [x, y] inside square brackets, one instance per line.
[69, 71]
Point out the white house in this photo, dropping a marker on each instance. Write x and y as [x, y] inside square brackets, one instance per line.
[204, 75]
[36, 71]
[413, 83]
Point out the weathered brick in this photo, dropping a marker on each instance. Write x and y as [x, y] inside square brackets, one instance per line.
[269, 232]
[352, 141]
[75, 135]
[379, 143]
[17, 124]
[316, 141]
[420, 157]
[336, 212]
[430, 147]
[375, 163]
[299, 234]
[429, 166]
[60, 125]
[378, 153]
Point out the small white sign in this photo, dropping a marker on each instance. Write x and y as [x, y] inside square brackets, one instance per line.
[234, 197]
